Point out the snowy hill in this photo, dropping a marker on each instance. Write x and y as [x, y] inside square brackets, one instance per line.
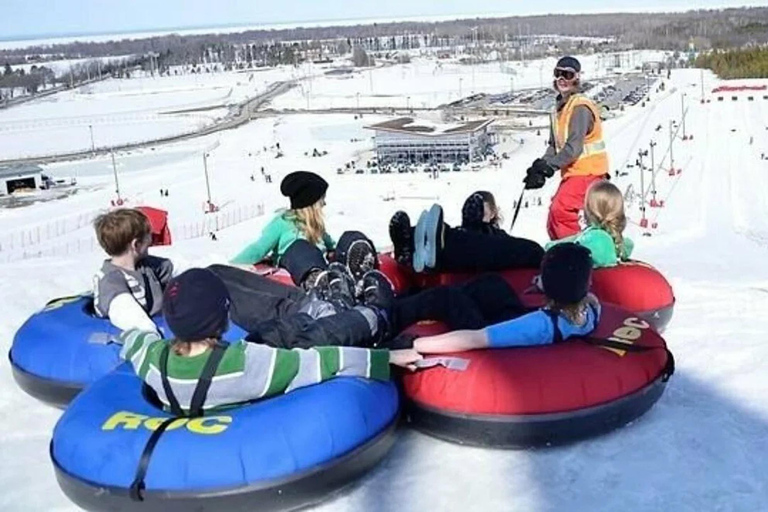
[702, 447]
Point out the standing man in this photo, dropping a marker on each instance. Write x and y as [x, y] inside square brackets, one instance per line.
[576, 148]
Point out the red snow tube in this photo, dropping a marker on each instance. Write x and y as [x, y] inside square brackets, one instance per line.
[536, 396]
[158, 221]
[634, 286]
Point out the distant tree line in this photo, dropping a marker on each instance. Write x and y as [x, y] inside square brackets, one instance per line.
[704, 29]
[30, 81]
[744, 63]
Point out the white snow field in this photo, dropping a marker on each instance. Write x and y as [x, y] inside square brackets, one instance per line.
[701, 448]
[123, 111]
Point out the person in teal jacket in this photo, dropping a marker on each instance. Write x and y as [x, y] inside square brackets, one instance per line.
[604, 212]
[303, 221]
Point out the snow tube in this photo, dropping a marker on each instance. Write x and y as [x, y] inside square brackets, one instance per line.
[533, 396]
[634, 286]
[65, 346]
[281, 453]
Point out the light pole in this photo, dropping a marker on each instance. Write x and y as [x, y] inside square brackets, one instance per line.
[370, 78]
[117, 184]
[93, 145]
[654, 202]
[671, 152]
[207, 181]
[643, 220]
[682, 106]
[474, 57]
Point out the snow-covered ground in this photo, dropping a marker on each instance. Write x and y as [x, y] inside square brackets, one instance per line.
[121, 111]
[700, 448]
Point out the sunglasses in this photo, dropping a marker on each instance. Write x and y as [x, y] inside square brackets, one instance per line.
[568, 74]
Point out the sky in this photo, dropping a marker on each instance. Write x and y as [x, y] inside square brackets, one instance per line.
[28, 18]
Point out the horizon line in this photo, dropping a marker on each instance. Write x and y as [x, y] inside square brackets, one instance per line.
[328, 23]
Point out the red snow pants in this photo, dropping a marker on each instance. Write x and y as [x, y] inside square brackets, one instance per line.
[567, 202]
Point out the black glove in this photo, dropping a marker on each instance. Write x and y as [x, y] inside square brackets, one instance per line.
[537, 174]
[534, 181]
[540, 166]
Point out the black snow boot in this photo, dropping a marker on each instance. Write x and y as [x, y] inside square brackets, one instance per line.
[401, 233]
[337, 287]
[361, 258]
[379, 295]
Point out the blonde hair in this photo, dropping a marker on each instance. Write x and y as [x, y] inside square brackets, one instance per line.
[183, 348]
[604, 208]
[310, 221]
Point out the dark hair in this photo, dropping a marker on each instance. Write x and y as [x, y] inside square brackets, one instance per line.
[116, 230]
[490, 200]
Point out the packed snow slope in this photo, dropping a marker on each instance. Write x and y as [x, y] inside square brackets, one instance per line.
[123, 111]
[702, 447]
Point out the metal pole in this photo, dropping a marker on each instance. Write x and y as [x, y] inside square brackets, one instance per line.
[643, 221]
[117, 184]
[474, 60]
[207, 181]
[682, 106]
[370, 77]
[93, 145]
[653, 174]
[671, 144]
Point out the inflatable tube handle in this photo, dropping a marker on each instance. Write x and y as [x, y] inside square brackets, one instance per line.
[451, 363]
[136, 491]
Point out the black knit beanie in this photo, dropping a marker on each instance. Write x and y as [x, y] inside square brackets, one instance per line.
[303, 188]
[196, 305]
[565, 273]
[569, 63]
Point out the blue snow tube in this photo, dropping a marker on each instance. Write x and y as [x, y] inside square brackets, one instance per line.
[65, 346]
[281, 453]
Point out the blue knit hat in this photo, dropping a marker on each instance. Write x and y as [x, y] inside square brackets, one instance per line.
[196, 305]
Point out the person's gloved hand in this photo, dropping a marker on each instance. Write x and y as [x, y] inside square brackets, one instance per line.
[537, 174]
[534, 181]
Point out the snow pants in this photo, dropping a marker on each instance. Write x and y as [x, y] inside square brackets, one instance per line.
[567, 202]
[484, 301]
[471, 251]
[302, 257]
[255, 299]
[273, 314]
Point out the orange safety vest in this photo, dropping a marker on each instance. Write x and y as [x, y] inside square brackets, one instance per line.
[593, 160]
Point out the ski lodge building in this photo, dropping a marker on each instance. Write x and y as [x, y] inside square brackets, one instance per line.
[407, 141]
[20, 177]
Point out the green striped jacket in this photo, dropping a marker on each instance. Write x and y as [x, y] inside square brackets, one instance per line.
[248, 371]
